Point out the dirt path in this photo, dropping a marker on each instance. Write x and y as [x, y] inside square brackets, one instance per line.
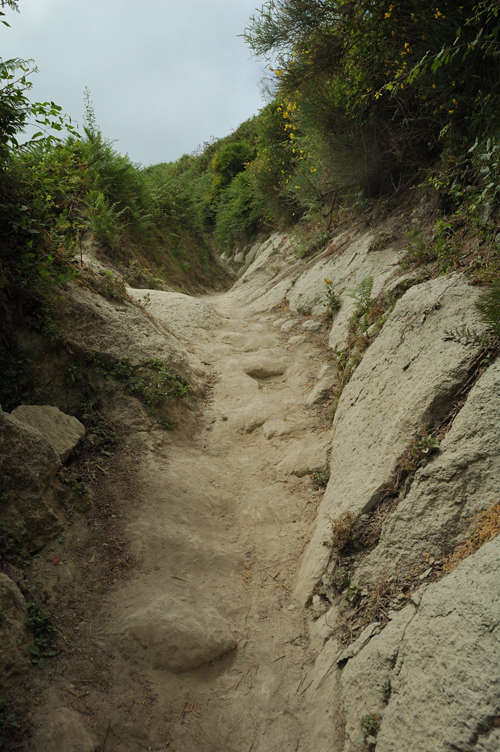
[209, 650]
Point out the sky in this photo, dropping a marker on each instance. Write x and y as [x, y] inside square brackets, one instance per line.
[164, 75]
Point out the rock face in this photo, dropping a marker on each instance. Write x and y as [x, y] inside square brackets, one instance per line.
[183, 314]
[14, 635]
[442, 663]
[30, 495]
[462, 478]
[63, 432]
[407, 379]
[64, 730]
[114, 331]
[172, 635]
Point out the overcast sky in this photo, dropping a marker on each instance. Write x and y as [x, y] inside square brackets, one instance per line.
[164, 75]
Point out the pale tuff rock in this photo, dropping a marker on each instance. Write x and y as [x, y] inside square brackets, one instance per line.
[407, 378]
[462, 477]
[63, 432]
[323, 387]
[288, 325]
[446, 693]
[182, 314]
[311, 325]
[301, 459]
[113, 331]
[298, 339]
[172, 635]
[14, 635]
[64, 730]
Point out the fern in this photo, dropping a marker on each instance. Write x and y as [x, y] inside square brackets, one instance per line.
[362, 294]
[489, 306]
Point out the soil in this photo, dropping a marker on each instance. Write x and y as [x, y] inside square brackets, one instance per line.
[213, 523]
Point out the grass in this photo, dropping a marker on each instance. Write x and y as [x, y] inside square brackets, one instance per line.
[486, 527]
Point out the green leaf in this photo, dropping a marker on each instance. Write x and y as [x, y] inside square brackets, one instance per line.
[33, 649]
[41, 663]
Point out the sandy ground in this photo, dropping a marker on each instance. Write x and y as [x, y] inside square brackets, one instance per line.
[214, 529]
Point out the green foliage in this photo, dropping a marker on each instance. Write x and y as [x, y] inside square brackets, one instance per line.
[320, 477]
[385, 690]
[167, 424]
[489, 306]
[8, 724]
[41, 626]
[72, 481]
[332, 301]
[362, 294]
[369, 728]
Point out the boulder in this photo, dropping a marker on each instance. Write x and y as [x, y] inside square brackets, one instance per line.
[30, 495]
[172, 635]
[304, 458]
[63, 432]
[62, 730]
[239, 258]
[462, 477]
[311, 325]
[445, 688]
[14, 635]
[408, 378]
[265, 367]
[298, 339]
[288, 325]
[323, 387]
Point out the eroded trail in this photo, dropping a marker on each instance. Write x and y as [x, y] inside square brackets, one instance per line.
[207, 622]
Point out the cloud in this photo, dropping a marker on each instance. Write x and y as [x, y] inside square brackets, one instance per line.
[163, 76]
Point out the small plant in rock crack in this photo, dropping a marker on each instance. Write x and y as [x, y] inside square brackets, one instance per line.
[385, 690]
[331, 302]
[39, 623]
[353, 593]
[8, 723]
[320, 477]
[426, 445]
[369, 727]
[75, 485]
[167, 424]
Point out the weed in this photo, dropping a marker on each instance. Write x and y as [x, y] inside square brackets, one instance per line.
[342, 530]
[369, 727]
[13, 545]
[304, 310]
[8, 723]
[385, 690]
[353, 593]
[417, 250]
[332, 302]
[73, 482]
[320, 478]
[489, 306]
[110, 286]
[362, 294]
[425, 445]
[381, 240]
[39, 623]
[151, 380]
[465, 336]
[167, 424]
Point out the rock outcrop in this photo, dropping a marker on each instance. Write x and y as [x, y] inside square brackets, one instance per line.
[14, 635]
[63, 432]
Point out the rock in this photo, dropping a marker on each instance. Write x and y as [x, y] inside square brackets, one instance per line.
[311, 325]
[298, 339]
[265, 368]
[114, 331]
[289, 324]
[358, 645]
[462, 477]
[279, 322]
[252, 254]
[62, 730]
[249, 418]
[182, 314]
[445, 689]
[63, 432]
[239, 258]
[319, 606]
[407, 378]
[278, 427]
[14, 635]
[303, 459]
[322, 628]
[30, 495]
[322, 389]
[172, 635]
[370, 666]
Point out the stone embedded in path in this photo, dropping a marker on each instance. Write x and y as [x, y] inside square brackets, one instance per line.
[408, 377]
[279, 322]
[280, 427]
[311, 325]
[288, 325]
[303, 458]
[62, 431]
[62, 730]
[172, 635]
[264, 368]
[298, 339]
[322, 389]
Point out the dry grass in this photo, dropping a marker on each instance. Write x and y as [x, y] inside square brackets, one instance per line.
[342, 530]
[486, 527]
